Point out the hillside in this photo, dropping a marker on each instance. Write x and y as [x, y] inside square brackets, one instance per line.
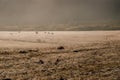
[62, 27]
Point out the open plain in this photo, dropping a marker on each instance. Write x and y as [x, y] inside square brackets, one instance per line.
[60, 55]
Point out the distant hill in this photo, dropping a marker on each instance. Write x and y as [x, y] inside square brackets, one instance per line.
[63, 27]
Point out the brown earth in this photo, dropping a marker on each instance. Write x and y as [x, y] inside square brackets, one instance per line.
[93, 55]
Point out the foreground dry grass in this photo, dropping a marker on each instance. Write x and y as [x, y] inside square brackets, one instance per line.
[93, 55]
[94, 62]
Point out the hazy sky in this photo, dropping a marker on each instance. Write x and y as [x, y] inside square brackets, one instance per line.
[57, 11]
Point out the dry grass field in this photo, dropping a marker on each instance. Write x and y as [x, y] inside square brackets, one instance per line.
[82, 55]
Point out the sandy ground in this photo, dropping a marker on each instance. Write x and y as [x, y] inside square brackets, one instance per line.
[46, 38]
[82, 55]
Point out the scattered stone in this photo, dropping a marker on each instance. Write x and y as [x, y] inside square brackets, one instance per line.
[61, 48]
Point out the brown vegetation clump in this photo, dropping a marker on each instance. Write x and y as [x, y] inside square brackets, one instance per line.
[23, 51]
[76, 51]
[7, 79]
[40, 62]
[60, 48]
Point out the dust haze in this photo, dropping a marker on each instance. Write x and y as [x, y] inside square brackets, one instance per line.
[40, 12]
[59, 40]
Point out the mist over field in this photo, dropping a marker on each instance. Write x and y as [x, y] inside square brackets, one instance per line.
[16, 13]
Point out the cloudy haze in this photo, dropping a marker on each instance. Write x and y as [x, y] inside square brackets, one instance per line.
[21, 12]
